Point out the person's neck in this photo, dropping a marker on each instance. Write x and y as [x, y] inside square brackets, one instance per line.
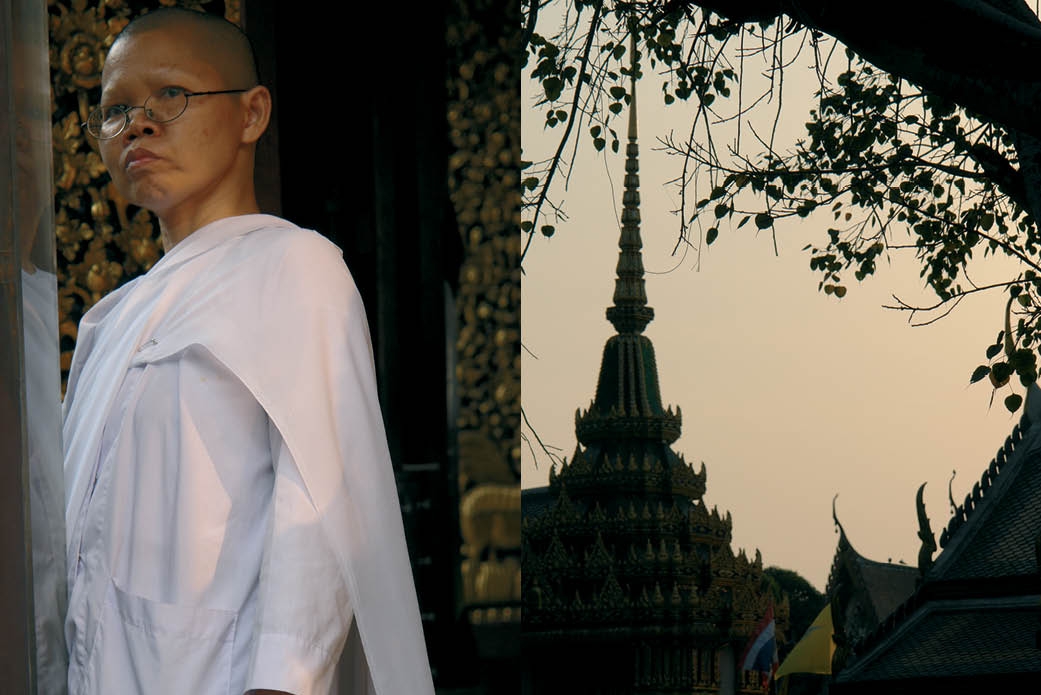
[174, 228]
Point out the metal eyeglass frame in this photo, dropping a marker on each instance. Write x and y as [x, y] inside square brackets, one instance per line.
[126, 112]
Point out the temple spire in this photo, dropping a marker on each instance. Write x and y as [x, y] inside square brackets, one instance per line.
[630, 313]
[628, 405]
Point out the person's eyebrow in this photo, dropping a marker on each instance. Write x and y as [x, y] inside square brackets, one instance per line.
[110, 96]
[164, 75]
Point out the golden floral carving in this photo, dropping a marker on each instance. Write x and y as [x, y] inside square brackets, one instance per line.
[81, 59]
[483, 117]
[483, 113]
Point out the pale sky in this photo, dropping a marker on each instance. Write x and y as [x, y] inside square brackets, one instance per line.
[789, 396]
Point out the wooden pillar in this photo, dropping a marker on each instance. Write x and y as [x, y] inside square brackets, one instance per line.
[16, 641]
[25, 192]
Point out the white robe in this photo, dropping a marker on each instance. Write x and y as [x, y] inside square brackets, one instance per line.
[231, 506]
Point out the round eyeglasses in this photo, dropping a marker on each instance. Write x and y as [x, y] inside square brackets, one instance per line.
[167, 104]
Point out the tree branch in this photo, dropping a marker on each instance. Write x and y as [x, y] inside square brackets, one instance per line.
[594, 24]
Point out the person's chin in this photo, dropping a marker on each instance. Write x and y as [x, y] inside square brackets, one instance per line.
[147, 192]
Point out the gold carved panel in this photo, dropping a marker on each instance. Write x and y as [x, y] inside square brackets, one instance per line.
[484, 185]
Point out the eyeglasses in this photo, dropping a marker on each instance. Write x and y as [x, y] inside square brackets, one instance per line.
[167, 104]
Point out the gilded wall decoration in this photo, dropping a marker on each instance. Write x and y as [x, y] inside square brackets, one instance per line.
[102, 241]
[484, 45]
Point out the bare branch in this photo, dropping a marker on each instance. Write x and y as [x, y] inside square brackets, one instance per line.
[546, 449]
[953, 301]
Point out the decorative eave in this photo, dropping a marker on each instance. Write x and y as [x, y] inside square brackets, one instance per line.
[842, 551]
[634, 472]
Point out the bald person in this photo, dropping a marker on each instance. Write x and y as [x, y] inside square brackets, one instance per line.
[232, 518]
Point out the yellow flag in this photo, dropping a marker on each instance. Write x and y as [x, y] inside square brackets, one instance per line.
[813, 652]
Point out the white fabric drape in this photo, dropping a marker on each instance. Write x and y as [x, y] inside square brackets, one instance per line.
[277, 308]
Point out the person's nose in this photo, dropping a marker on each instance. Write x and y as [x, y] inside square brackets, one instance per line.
[138, 124]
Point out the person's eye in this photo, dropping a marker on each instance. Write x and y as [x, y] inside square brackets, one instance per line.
[114, 111]
[171, 92]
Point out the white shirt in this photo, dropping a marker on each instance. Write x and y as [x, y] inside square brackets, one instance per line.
[229, 483]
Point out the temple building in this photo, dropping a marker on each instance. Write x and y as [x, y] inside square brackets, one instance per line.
[968, 620]
[629, 582]
[864, 592]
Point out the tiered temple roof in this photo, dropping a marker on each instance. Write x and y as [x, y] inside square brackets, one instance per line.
[622, 559]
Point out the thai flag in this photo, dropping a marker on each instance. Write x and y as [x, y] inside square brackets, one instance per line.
[761, 652]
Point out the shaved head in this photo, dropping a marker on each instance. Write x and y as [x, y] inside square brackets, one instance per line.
[195, 166]
[223, 44]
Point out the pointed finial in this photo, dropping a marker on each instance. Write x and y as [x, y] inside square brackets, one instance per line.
[835, 516]
[632, 82]
[630, 313]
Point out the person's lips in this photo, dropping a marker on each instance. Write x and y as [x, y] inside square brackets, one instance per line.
[138, 157]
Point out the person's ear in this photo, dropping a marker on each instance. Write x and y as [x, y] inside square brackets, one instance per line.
[256, 113]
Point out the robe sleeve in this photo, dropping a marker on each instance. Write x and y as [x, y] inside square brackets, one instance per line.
[323, 398]
[303, 610]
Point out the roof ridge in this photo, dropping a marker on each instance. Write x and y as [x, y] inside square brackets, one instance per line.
[1005, 458]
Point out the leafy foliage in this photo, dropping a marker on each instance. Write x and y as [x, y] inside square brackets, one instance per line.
[804, 601]
[896, 169]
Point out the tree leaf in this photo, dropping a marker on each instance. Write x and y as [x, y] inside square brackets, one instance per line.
[552, 86]
[1013, 402]
[711, 235]
[764, 220]
[980, 372]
